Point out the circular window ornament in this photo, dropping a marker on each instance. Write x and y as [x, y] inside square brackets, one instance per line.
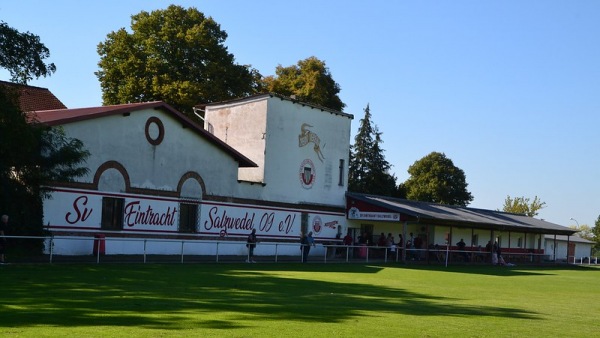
[307, 174]
[155, 131]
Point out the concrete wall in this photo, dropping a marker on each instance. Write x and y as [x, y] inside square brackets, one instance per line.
[122, 139]
[283, 138]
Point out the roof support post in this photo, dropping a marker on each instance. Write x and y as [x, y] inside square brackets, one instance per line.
[404, 248]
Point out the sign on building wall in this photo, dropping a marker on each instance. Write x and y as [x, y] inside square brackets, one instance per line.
[82, 210]
[144, 214]
[74, 210]
[236, 219]
[355, 213]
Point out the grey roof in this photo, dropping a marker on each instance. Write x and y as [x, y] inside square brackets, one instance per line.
[562, 238]
[440, 214]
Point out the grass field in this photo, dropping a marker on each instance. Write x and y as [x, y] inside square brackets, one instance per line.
[297, 300]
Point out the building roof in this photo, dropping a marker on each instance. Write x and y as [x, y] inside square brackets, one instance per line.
[562, 238]
[448, 215]
[34, 98]
[281, 97]
[58, 117]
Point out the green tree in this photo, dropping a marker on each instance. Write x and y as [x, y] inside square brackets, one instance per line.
[309, 81]
[584, 231]
[596, 236]
[435, 178]
[175, 55]
[23, 55]
[32, 155]
[369, 170]
[522, 205]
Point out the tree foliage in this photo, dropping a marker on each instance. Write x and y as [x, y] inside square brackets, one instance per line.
[23, 55]
[435, 178]
[596, 235]
[32, 155]
[309, 81]
[522, 205]
[369, 170]
[176, 55]
[583, 231]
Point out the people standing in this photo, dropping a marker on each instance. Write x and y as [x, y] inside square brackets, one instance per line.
[495, 254]
[305, 243]
[410, 246]
[3, 230]
[461, 248]
[251, 244]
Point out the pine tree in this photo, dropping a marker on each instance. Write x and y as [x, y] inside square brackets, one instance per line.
[369, 170]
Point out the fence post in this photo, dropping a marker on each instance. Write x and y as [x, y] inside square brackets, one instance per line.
[51, 247]
[144, 251]
[98, 254]
[182, 242]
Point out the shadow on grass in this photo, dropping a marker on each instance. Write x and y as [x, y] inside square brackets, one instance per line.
[211, 296]
[490, 270]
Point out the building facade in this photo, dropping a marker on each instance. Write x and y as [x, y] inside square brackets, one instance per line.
[267, 163]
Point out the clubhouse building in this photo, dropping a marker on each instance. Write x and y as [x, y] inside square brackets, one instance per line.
[264, 162]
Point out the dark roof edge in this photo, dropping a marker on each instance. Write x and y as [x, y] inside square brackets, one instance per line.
[368, 198]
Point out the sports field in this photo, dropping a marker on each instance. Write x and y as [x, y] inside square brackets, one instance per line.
[297, 300]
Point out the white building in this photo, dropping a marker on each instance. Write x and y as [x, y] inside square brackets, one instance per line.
[273, 164]
[573, 247]
[264, 162]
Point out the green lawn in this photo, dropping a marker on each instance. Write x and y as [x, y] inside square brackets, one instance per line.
[297, 300]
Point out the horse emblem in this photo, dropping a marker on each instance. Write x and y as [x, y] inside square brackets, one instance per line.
[306, 136]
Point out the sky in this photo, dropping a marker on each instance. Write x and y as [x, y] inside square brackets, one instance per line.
[508, 90]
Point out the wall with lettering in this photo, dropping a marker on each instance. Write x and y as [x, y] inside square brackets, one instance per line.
[239, 220]
[73, 210]
[82, 210]
[143, 214]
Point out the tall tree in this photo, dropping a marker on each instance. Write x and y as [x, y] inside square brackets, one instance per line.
[310, 81]
[176, 55]
[435, 178]
[31, 155]
[596, 236]
[23, 55]
[522, 205]
[369, 170]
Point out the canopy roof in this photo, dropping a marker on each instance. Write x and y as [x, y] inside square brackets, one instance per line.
[450, 215]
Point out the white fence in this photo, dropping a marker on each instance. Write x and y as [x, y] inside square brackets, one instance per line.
[144, 250]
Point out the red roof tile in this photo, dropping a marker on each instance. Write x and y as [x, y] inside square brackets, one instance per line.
[58, 117]
[35, 98]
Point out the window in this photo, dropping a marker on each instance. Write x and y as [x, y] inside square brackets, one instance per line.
[368, 230]
[475, 240]
[112, 213]
[188, 217]
[342, 167]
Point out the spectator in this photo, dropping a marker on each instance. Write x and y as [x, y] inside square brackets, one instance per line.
[461, 248]
[251, 244]
[306, 241]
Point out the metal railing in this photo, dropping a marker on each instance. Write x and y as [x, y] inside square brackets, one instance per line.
[95, 249]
